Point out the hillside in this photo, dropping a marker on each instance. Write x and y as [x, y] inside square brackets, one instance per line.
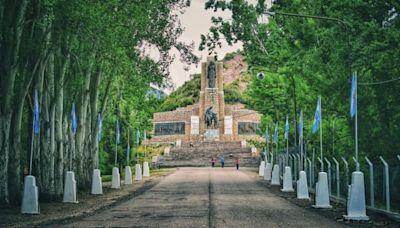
[235, 83]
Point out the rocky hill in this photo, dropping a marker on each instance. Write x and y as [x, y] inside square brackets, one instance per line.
[235, 83]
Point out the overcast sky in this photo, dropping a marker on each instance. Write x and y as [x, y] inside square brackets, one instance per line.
[196, 21]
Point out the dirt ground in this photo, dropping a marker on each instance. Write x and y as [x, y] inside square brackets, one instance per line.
[191, 197]
[51, 212]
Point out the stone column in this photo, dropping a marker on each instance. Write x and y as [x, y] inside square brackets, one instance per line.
[220, 99]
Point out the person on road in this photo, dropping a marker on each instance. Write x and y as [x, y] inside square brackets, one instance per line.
[237, 163]
[212, 162]
[222, 161]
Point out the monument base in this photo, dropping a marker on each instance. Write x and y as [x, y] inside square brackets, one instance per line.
[211, 135]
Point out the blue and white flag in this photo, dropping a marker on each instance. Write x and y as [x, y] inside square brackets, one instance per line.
[100, 123]
[301, 125]
[317, 117]
[353, 96]
[137, 137]
[36, 115]
[128, 152]
[287, 127]
[118, 134]
[276, 133]
[266, 136]
[74, 120]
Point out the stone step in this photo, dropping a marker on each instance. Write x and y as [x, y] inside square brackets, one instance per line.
[200, 154]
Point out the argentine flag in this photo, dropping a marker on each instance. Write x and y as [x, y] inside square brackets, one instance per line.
[353, 96]
[100, 122]
[317, 117]
[137, 137]
[118, 135]
[36, 115]
[276, 133]
[287, 127]
[74, 120]
[301, 125]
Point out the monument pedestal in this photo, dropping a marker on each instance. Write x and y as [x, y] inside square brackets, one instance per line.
[211, 135]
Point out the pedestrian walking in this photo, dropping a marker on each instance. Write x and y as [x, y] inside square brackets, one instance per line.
[237, 163]
[222, 161]
[212, 162]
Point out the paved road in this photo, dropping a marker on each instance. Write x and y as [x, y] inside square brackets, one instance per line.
[205, 197]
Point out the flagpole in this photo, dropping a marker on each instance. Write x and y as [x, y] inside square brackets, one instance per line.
[32, 144]
[144, 142]
[72, 152]
[356, 123]
[267, 146]
[128, 151]
[116, 144]
[320, 133]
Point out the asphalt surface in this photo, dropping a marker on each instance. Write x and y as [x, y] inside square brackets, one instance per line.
[206, 197]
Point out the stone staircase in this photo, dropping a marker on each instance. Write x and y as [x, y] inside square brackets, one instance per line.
[200, 153]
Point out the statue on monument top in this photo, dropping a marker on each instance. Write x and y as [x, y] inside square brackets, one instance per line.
[211, 118]
[211, 75]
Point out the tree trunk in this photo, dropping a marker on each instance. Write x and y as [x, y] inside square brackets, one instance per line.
[59, 158]
[14, 165]
[48, 137]
[9, 54]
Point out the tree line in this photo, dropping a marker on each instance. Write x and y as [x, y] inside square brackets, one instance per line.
[88, 53]
[306, 57]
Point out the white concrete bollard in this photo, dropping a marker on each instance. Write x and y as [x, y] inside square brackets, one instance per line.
[146, 169]
[138, 172]
[30, 199]
[116, 179]
[287, 180]
[261, 169]
[267, 172]
[275, 175]
[243, 143]
[166, 150]
[302, 186]
[128, 175]
[356, 209]
[322, 192]
[178, 143]
[70, 188]
[97, 185]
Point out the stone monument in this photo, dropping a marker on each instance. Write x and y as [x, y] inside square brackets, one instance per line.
[210, 119]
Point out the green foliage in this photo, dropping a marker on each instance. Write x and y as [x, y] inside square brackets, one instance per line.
[303, 58]
[185, 95]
